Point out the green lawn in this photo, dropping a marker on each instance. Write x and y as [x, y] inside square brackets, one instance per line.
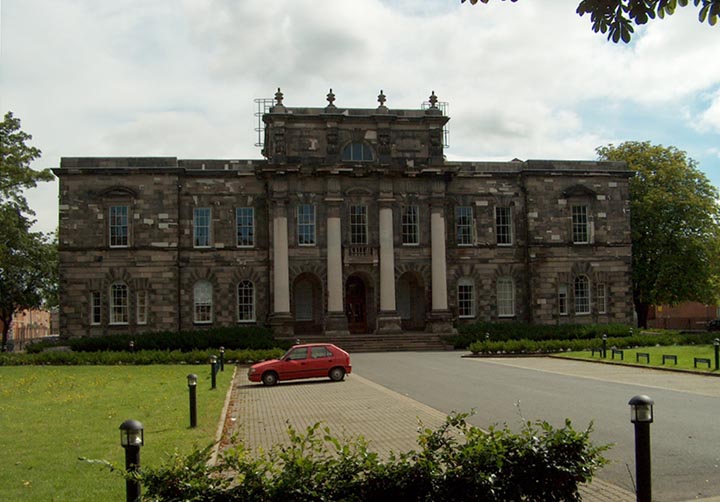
[51, 416]
[685, 356]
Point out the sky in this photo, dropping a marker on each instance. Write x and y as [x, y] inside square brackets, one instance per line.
[526, 80]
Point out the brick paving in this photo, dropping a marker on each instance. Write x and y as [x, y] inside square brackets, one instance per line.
[260, 416]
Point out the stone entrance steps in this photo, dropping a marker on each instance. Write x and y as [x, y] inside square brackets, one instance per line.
[405, 341]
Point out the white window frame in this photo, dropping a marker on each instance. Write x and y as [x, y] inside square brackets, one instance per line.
[410, 225]
[562, 299]
[580, 224]
[581, 295]
[464, 226]
[141, 307]
[505, 288]
[504, 226]
[202, 220]
[119, 304]
[466, 298]
[246, 301]
[601, 298]
[95, 308]
[245, 227]
[203, 302]
[358, 225]
[306, 227]
[119, 226]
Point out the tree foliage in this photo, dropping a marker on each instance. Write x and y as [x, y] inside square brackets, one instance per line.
[675, 219]
[28, 260]
[617, 17]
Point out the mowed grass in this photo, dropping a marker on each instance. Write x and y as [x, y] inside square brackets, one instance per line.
[685, 356]
[52, 416]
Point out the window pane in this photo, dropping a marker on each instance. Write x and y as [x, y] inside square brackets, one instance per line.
[466, 298]
[142, 307]
[119, 226]
[246, 301]
[357, 152]
[562, 299]
[503, 225]
[580, 224]
[358, 225]
[203, 300]
[464, 225]
[245, 217]
[118, 304]
[410, 225]
[201, 228]
[95, 308]
[582, 295]
[306, 225]
[506, 297]
[601, 298]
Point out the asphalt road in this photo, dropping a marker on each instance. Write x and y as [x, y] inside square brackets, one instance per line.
[685, 434]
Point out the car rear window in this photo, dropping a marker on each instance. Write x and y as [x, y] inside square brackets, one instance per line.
[318, 352]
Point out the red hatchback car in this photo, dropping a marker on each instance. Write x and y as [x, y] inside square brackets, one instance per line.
[311, 360]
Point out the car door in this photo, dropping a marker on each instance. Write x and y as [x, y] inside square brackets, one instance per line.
[295, 364]
[321, 360]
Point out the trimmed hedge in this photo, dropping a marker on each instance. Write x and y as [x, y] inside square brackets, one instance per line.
[456, 462]
[251, 337]
[469, 333]
[58, 357]
[547, 346]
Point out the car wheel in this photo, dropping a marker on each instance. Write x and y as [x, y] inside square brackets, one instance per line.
[270, 378]
[337, 374]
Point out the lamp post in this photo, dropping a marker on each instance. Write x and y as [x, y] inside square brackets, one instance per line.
[222, 358]
[192, 390]
[641, 414]
[604, 338]
[132, 346]
[716, 343]
[213, 371]
[132, 438]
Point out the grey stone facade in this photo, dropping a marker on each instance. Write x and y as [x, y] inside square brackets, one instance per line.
[537, 241]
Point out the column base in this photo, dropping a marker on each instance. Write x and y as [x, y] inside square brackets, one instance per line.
[388, 323]
[441, 322]
[336, 324]
[282, 324]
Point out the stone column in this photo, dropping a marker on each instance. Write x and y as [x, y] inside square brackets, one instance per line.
[439, 319]
[388, 320]
[280, 319]
[335, 320]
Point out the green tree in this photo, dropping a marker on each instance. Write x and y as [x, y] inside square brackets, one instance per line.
[28, 260]
[616, 17]
[675, 220]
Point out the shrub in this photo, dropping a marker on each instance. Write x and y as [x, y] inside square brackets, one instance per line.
[456, 462]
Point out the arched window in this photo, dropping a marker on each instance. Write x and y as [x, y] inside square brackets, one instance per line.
[203, 300]
[357, 152]
[582, 295]
[246, 301]
[466, 297]
[118, 303]
[506, 297]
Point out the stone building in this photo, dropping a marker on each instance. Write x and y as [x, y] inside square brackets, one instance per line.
[354, 222]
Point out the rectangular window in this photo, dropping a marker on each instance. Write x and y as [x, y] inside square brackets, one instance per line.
[246, 301]
[118, 304]
[245, 221]
[203, 299]
[201, 227]
[580, 230]
[95, 308]
[466, 299]
[562, 299]
[410, 226]
[306, 224]
[503, 226]
[464, 226]
[358, 225]
[505, 297]
[602, 298]
[119, 230]
[142, 307]
[582, 295]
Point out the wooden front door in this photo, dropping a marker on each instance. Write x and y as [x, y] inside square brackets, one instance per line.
[356, 305]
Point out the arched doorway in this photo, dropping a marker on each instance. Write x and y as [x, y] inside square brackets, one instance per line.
[356, 305]
[307, 304]
[411, 301]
